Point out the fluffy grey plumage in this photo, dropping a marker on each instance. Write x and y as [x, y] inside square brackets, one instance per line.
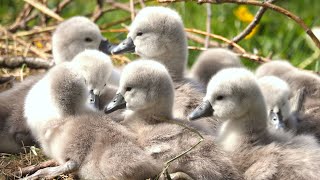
[148, 92]
[308, 117]
[69, 39]
[74, 36]
[276, 93]
[158, 34]
[68, 130]
[237, 100]
[211, 61]
[13, 131]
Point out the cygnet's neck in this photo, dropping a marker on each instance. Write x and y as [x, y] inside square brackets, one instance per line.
[147, 117]
[175, 60]
[252, 126]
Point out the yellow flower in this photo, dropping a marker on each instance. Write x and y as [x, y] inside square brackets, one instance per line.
[243, 14]
[39, 44]
[253, 32]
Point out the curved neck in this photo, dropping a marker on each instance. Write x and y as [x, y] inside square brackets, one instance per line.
[249, 127]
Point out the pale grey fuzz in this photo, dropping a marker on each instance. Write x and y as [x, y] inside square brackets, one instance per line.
[147, 90]
[71, 132]
[237, 100]
[211, 61]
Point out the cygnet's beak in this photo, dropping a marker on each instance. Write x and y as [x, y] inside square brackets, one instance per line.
[106, 47]
[94, 99]
[117, 102]
[203, 110]
[126, 46]
[277, 120]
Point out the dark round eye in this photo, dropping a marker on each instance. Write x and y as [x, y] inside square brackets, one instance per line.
[87, 39]
[139, 33]
[219, 98]
[128, 88]
[104, 84]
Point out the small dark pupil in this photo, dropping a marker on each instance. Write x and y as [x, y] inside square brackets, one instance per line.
[219, 97]
[88, 39]
[128, 89]
[139, 33]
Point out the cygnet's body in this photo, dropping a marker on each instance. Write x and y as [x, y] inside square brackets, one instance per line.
[236, 99]
[14, 134]
[147, 91]
[72, 133]
[211, 61]
[308, 117]
[276, 93]
[71, 37]
[157, 33]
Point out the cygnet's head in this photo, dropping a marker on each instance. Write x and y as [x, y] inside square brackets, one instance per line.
[274, 68]
[276, 93]
[157, 33]
[232, 93]
[95, 67]
[211, 61]
[74, 36]
[145, 87]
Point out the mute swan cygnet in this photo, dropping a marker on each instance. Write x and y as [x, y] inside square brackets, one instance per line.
[76, 136]
[146, 90]
[211, 61]
[276, 93]
[71, 37]
[233, 96]
[157, 33]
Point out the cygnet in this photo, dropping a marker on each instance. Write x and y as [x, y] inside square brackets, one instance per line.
[146, 90]
[79, 138]
[211, 61]
[158, 33]
[233, 96]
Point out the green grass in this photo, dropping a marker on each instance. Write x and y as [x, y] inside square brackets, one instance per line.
[277, 35]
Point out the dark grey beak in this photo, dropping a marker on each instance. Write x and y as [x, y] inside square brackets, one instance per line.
[203, 110]
[277, 120]
[106, 47]
[117, 102]
[126, 46]
[94, 100]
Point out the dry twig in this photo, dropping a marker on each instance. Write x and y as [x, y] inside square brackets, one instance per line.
[44, 9]
[252, 24]
[268, 5]
[208, 25]
[31, 62]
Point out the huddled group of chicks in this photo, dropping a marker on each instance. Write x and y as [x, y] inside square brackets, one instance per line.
[219, 122]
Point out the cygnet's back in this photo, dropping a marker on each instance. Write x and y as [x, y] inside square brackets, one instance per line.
[146, 89]
[70, 132]
[211, 61]
[236, 99]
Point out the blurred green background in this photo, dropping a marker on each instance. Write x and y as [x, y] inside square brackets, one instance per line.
[277, 35]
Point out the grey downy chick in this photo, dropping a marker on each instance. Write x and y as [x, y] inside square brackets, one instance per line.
[233, 96]
[211, 61]
[76, 136]
[71, 37]
[276, 93]
[308, 115]
[146, 90]
[157, 33]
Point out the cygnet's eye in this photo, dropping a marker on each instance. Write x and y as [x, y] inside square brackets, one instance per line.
[105, 85]
[128, 88]
[139, 33]
[220, 97]
[87, 39]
